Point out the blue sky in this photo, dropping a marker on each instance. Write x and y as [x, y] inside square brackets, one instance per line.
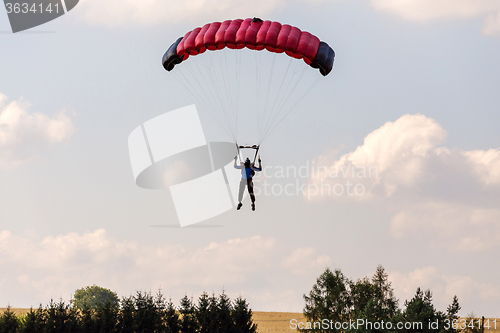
[414, 92]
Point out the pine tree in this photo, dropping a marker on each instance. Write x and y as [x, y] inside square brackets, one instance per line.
[161, 307]
[171, 318]
[146, 315]
[72, 322]
[384, 293]
[126, 316]
[188, 316]
[452, 314]
[106, 317]
[31, 322]
[225, 309]
[203, 313]
[9, 322]
[213, 312]
[374, 301]
[421, 310]
[58, 319]
[242, 317]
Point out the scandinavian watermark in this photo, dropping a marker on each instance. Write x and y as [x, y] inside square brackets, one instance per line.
[311, 180]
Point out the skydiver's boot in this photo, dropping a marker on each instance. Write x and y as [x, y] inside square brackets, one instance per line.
[239, 206]
[253, 206]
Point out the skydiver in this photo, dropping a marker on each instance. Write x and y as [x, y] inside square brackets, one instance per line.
[247, 172]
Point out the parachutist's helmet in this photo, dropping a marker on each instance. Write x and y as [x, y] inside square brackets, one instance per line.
[247, 162]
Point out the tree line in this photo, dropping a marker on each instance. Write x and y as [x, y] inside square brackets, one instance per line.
[339, 304]
[142, 312]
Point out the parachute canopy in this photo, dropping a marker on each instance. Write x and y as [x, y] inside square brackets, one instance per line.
[254, 34]
[253, 77]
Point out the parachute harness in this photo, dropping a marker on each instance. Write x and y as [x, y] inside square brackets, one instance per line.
[256, 147]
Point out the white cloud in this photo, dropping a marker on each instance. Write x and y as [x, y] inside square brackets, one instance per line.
[443, 287]
[405, 155]
[23, 134]
[302, 260]
[425, 10]
[430, 190]
[422, 10]
[36, 270]
[486, 165]
[153, 12]
[392, 156]
[410, 135]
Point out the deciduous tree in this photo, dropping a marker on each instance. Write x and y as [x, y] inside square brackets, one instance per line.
[94, 296]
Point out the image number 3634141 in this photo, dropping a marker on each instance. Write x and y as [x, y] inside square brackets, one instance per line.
[26, 14]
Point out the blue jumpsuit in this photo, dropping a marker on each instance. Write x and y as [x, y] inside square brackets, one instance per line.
[246, 179]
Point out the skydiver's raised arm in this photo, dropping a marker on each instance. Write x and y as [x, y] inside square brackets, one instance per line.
[260, 166]
[236, 166]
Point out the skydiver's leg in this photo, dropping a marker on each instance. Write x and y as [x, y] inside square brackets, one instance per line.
[240, 193]
[250, 190]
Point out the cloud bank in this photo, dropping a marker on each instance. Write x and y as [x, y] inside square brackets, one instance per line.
[56, 266]
[429, 189]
